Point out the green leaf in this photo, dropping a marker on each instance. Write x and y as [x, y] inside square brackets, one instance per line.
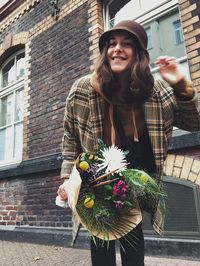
[108, 187]
[128, 204]
[126, 152]
[102, 145]
[108, 198]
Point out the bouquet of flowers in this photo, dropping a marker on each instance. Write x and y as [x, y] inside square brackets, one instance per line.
[111, 195]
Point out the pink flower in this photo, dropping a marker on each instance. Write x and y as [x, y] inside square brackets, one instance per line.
[124, 188]
[119, 204]
[115, 191]
[120, 188]
[120, 183]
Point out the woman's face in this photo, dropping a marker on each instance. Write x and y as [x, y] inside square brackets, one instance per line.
[120, 53]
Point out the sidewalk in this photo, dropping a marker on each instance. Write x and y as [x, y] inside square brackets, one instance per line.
[26, 254]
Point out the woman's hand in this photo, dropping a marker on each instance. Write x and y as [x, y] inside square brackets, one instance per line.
[62, 192]
[169, 69]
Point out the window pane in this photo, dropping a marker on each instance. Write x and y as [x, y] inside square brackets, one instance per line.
[19, 105]
[9, 143]
[20, 65]
[177, 24]
[2, 144]
[148, 32]
[178, 32]
[178, 37]
[5, 80]
[18, 140]
[9, 73]
[3, 112]
[6, 110]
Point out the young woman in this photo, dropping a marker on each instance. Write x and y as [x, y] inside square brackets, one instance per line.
[122, 104]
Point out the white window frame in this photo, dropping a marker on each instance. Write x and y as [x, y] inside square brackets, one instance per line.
[4, 92]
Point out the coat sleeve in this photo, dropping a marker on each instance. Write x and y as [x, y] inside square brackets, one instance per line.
[181, 112]
[187, 114]
[70, 140]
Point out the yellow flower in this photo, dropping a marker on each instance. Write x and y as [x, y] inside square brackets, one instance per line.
[144, 178]
[88, 202]
[84, 165]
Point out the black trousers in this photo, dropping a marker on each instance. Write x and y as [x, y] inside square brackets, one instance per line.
[132, 252]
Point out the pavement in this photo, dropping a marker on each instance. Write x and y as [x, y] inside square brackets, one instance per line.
[30, 254]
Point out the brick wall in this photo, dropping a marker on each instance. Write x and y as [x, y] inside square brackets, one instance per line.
[58, 56]
[30, 200]
[190, 16]
[184, 167]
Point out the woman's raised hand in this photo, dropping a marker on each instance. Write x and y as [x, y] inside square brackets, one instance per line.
[169, 69]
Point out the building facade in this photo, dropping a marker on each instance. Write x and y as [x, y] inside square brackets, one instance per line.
[44, 47]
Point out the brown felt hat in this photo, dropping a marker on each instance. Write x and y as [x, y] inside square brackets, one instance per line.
[130, 26]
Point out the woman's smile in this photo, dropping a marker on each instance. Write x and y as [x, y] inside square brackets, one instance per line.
[118, 58]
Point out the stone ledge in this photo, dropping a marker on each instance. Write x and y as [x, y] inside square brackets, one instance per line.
[183, 139]
[172, 247]
[43, 235]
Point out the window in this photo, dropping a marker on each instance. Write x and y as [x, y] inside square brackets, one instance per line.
[11, 109]
[178, 32]
[148, 32]
[183, 216]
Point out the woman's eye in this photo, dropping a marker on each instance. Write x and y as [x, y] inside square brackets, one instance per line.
[128, 44]
[111, 44]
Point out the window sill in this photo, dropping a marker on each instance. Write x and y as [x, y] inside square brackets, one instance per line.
[32, 166]
[184, 139]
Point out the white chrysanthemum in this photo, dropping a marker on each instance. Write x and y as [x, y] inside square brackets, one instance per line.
[113, 158]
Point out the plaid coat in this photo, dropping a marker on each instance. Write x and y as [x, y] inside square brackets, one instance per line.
[83, 125]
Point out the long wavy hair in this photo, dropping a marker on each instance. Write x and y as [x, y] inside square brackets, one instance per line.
[142, 80]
